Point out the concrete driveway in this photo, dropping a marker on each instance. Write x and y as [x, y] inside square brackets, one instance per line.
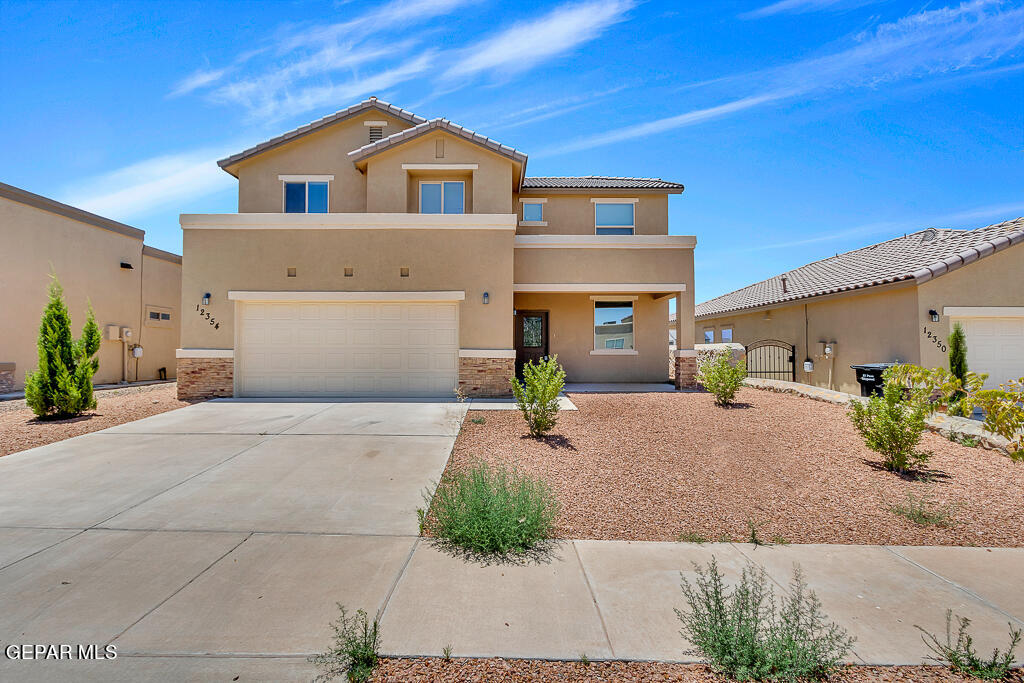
[225, 528]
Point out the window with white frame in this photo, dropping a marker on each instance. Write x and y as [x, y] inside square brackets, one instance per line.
[533, 212]
[306, 194]
[613, 325]
[614, 218]
[709, 336]
[726, 334]
[445, 196]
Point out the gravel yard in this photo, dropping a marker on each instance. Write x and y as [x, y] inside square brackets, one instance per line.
[663, 467]
[464, 670]
[21, 430]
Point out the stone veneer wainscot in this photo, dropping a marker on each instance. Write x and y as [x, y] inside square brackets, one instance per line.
[486, 377]
[200, 378]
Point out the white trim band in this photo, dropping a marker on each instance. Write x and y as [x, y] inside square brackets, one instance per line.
[440, 167]
[613, 200]
[533, 224]
[487, 353]
[235, 295]
[686, 353]
[614, 352]
[983, 311]
[348, 221]
[375, 124]
[612, 297]
[605, 242]
[600, 287]
[533, 200]
[204, 353]
[306, 178]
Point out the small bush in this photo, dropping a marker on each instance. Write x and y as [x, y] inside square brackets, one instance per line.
[62, 384]
[961, 656]
[493, 510]
[537, 395]
[965, 440]
[717, 374]
[744, 634]
[892, 426]
[354, 653]
[690, 537]
[478, 420]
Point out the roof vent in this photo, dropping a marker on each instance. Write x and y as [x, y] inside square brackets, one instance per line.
[785, 287]
[929, 235]
[376, 133]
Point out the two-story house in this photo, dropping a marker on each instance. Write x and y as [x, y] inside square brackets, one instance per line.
[377, 252]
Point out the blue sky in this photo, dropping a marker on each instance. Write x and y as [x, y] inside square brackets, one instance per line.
[800, 128]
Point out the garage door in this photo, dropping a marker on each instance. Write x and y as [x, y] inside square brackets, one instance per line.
[347, 348]
[995, 346]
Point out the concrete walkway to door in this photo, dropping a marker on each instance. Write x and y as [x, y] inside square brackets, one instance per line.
[213, 542]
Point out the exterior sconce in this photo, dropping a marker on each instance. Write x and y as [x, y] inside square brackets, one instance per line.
[487, 298]
[206, 299]
[934, 315]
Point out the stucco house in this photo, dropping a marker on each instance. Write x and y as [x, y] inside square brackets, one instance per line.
[377, 252]
[892, 301]
[135, 289]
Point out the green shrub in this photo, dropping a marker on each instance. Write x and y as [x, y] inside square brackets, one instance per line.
[745, 634]
[718, 374]
[958, 352]
[62, 384]
[492, 510]
[961, 656]
[537, 395]
[354, 653]
[892, 426]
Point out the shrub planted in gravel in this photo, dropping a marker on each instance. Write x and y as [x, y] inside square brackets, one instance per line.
[718, 374]
[746, 635]
[488, 509]
[537, 395]
[961, 655]
[892, 426]
[354, 652]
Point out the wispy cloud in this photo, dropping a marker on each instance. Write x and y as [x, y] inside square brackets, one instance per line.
[198, 79]
[802, 6]
[926, 44]
[529, 43]
[140, 188]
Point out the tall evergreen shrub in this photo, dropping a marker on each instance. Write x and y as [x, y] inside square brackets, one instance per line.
[62, 384]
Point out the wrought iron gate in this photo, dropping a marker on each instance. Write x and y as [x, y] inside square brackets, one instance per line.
[772, 359]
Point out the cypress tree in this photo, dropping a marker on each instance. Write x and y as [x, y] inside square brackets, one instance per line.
[958, 352]
[62, 384]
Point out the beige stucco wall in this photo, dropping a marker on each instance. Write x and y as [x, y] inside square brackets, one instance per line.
[604, 265]
[87, 261]
[571, 336]
[392, 189]
[321, 153]
[997, 280]
[573, 214]
[161, 286]
[867, 327]
[475, 261]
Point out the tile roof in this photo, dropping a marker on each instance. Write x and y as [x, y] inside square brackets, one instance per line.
[920, 256]
[403, 135]
[371, 103]
[596, 181]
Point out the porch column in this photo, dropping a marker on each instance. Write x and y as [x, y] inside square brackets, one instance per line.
[686, 355]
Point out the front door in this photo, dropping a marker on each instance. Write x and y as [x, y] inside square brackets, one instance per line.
[531, 337]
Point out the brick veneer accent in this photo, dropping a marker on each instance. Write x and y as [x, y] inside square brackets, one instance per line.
[486, 377]
[7, 377]
[686, 372]
[205, 378]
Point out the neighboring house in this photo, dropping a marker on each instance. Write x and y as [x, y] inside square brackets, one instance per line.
[131, 287]
[377, 252]
[893, 301]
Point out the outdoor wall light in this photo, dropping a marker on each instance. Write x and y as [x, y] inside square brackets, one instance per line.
[206, 299]
[487, 298]
[934, 314]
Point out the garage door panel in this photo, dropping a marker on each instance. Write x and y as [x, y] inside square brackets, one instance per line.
[995, 346]
[347, 348]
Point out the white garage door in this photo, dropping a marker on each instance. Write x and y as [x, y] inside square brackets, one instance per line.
[347, 348]
[995, 346]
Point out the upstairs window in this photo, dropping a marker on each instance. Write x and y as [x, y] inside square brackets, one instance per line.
[726, 334]
[613, 218]
[447, 196]
[533, 213]
[306, 194]
[709, 336]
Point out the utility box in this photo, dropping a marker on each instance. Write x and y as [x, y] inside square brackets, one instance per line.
[112, 332]
[136, 351]
[126, 333]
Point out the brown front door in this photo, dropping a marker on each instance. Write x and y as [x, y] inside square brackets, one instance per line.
[531, 337]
